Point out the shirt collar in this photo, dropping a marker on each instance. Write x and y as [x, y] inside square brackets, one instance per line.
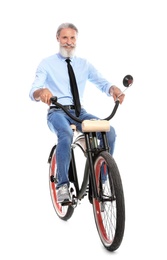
[63, 58]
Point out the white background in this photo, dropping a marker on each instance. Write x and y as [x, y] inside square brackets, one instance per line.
[119, 38]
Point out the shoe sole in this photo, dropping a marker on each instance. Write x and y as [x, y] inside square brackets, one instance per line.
[66, 203]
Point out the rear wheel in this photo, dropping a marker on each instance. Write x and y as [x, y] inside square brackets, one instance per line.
[63, 212]
[109, 210]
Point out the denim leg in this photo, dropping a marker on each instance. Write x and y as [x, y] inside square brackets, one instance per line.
[59, 124]
[111, 136]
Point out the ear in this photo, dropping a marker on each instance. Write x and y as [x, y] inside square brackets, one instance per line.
[57, 38]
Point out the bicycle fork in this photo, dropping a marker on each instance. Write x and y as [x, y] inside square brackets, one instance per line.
[92, 151]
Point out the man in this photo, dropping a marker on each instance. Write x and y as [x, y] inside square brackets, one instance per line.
[52, 79]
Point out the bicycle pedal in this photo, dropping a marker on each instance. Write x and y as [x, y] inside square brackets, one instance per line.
[66, 203]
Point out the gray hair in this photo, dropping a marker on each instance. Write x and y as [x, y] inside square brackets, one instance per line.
[65, 26]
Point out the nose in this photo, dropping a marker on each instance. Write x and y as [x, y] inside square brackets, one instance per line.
[69, 41]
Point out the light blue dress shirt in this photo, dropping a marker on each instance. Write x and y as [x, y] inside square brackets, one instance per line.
[52, 73]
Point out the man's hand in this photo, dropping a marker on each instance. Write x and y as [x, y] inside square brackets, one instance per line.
[44, 95]
[117, 94]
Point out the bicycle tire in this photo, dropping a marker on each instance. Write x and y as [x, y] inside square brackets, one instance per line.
[109, 210]
[63, 212]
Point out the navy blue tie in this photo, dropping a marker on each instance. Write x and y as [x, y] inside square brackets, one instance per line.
[74, 88]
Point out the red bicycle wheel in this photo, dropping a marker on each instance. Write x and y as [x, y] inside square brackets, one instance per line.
[109, 209]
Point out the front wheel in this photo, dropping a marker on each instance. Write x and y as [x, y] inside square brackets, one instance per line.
[109, 208]
[63, 212]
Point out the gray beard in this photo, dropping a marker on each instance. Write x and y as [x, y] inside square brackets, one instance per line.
[67, 53]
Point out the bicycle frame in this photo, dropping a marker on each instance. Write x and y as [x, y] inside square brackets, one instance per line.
[92, 150]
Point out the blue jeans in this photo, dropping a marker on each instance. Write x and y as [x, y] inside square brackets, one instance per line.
[59, 123]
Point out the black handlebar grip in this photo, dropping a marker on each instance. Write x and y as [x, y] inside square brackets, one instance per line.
[53, 99]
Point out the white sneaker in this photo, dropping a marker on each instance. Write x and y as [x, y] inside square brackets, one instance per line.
[63, 194]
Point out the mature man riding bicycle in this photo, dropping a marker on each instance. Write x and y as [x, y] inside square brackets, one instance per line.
[52, 79]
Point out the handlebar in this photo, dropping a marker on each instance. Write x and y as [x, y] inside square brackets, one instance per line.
[54, 102]
[127, 82]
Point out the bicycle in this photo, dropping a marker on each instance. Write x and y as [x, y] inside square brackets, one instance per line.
[106, 196]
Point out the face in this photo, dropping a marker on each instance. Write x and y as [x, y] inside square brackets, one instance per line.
[67, 40]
